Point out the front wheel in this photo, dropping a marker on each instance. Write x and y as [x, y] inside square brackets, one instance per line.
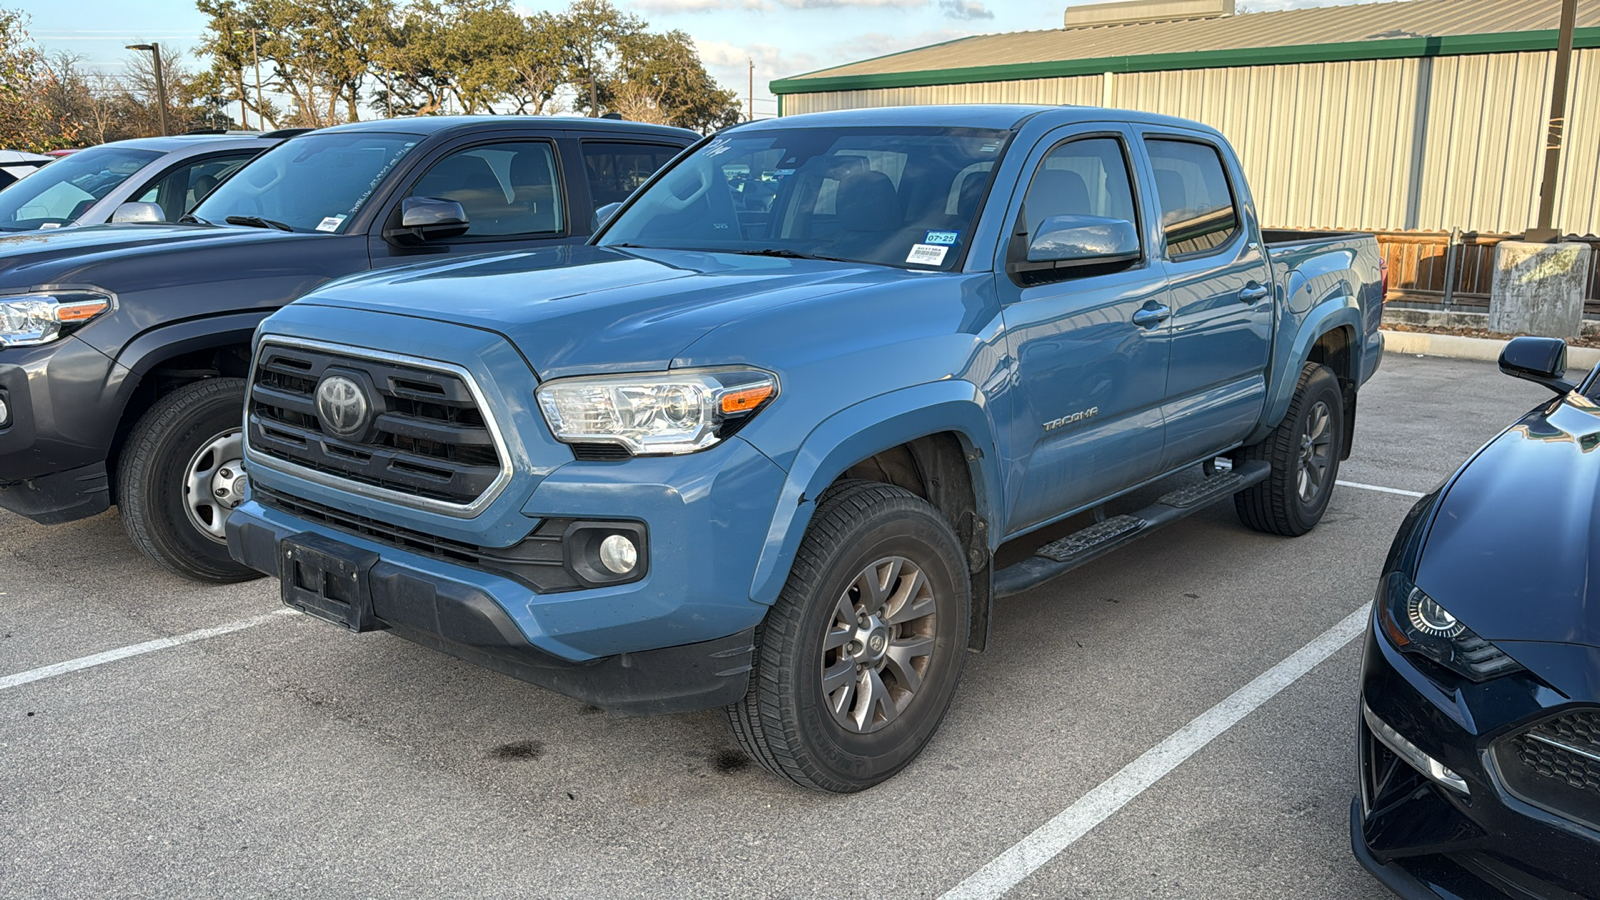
[181, 475]
[859, 658]
[1304, 453]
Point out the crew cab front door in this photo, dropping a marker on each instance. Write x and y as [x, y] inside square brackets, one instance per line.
[1091, 343]
[1221, 293]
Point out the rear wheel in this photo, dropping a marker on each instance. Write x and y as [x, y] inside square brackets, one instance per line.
[1304, 453]
[181, 475]
[858, 660]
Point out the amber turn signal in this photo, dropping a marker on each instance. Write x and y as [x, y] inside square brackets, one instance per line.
[745, 400]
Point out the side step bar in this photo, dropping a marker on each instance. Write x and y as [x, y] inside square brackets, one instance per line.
[1068, 553]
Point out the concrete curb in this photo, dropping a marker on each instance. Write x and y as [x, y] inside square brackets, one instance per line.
[1452, 346]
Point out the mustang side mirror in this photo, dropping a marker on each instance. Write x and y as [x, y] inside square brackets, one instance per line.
[139, 214]
[427, 219]
[1067, 242]
[604, 213]
[1541, 360]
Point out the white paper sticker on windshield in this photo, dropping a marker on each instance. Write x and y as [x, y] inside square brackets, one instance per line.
[49, 225]
[927, 254]
[331, 223]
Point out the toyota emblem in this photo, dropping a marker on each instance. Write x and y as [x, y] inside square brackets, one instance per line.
[342, 406]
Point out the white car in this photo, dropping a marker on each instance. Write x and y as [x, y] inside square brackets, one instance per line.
[18, 164]
[173, 172]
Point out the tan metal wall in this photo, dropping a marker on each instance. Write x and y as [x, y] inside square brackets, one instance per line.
[1406, 144]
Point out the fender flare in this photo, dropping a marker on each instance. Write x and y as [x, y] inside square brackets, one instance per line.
[859, 431]
[144, 352]
[1331, 314]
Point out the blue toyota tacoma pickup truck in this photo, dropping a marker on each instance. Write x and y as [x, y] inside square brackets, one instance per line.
[757, 444]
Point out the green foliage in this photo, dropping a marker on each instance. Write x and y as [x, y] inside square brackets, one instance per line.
[25, 79]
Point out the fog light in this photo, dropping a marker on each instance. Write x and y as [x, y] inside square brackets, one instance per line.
[5, 412]
[619, 554]
[1412, 754]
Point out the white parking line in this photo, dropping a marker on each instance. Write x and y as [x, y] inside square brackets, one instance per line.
[98, 659]
[1009, 868]
[1380, 489]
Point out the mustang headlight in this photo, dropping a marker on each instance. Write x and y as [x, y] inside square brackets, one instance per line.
[41, 317]
[1416, 623]
[655, 415]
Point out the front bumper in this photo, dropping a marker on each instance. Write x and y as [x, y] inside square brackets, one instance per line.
[63, 401]
[1424, 840]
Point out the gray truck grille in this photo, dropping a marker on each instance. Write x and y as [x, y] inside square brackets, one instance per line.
[1556, 765]
[421, 436]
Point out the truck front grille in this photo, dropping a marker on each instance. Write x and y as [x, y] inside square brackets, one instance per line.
[1556, 765]
[422, 440]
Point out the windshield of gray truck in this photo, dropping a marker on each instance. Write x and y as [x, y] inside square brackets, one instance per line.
[64, 190]
[316, 182]
[905, 197]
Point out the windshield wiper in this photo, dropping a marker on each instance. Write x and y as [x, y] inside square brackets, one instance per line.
[784, 253]
[256, 222]
[191, 219]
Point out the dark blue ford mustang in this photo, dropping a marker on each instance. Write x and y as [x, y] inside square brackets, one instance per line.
[1480, 689]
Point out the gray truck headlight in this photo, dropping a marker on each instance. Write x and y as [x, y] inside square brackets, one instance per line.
[39, 318]
[655, 415]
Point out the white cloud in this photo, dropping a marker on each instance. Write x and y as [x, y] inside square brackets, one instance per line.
[669, 7]
[840, 4]
[965, 9]
[875, 43]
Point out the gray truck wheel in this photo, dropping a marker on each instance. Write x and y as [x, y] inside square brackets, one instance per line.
[1304, 453]
[858, 660]
[180, 477]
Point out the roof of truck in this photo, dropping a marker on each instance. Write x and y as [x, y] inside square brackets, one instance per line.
[430, 125]
[997, 116]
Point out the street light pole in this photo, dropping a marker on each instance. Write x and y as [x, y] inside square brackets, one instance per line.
[1545, 230]
[752, 95]
[161, 82]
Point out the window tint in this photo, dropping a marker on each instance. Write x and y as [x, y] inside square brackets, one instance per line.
[1081, 178]
[179, 190]
[506, 189]
[1197, 208]
[616, 170]
[65, 189]
[312, 183]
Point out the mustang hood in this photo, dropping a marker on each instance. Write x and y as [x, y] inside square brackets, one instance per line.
[1514, 550]
[581, 310]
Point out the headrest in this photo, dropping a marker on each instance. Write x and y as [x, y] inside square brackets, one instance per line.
[867, 202]
[1057, 192]
[530, 168]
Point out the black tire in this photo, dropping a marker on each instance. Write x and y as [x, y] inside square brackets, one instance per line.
[151, 477]
[785, 722]
[1285, 503]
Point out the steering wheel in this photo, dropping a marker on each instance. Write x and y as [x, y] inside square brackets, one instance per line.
[672, 201]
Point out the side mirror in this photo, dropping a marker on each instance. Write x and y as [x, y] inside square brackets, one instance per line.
[1541, 360]
[603, 214]
[1067, 242]
[427, 219]
[139, 214]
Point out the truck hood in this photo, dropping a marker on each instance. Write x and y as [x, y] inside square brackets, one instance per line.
[584, 310]
[1514, 549]
[66, 255]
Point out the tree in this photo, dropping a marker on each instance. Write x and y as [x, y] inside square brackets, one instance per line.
[591, 31]
[27, 121]
[660, 79]
[434, 50]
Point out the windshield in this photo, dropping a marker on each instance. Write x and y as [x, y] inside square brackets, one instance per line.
[312, 183]
[903, 197]
[59, 193]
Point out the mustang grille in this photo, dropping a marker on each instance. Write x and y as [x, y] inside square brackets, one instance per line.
[425, 435]
[1556, 765]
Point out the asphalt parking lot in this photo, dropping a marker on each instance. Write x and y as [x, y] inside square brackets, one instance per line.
[289, 758]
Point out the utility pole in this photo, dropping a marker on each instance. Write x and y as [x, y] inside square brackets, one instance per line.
[752, 95]
[161, 82]
[1545, 232]
[261, 108]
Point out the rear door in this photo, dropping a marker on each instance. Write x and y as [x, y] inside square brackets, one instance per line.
[613, 168]
[1091, 377]
[1221, 295]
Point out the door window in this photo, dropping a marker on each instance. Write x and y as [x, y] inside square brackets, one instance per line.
[506, 189]
[180, 189]
[616, 170]
[1081, 178]
[1198, 212]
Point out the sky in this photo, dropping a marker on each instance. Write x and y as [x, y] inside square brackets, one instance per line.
[782, 37]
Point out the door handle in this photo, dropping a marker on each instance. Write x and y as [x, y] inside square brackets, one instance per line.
[1253, 292]
[1150, 317]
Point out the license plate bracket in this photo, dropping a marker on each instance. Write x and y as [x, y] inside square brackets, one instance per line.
[328, 579]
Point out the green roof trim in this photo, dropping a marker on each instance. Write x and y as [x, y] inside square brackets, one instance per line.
[1388, 48]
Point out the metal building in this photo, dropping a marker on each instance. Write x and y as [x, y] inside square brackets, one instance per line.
[1400, 116]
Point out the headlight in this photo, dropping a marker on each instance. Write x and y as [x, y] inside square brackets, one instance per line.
[1416, 623]
[42, 317]
[655, 415]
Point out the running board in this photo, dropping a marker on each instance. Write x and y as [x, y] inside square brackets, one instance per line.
[1062, 556]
